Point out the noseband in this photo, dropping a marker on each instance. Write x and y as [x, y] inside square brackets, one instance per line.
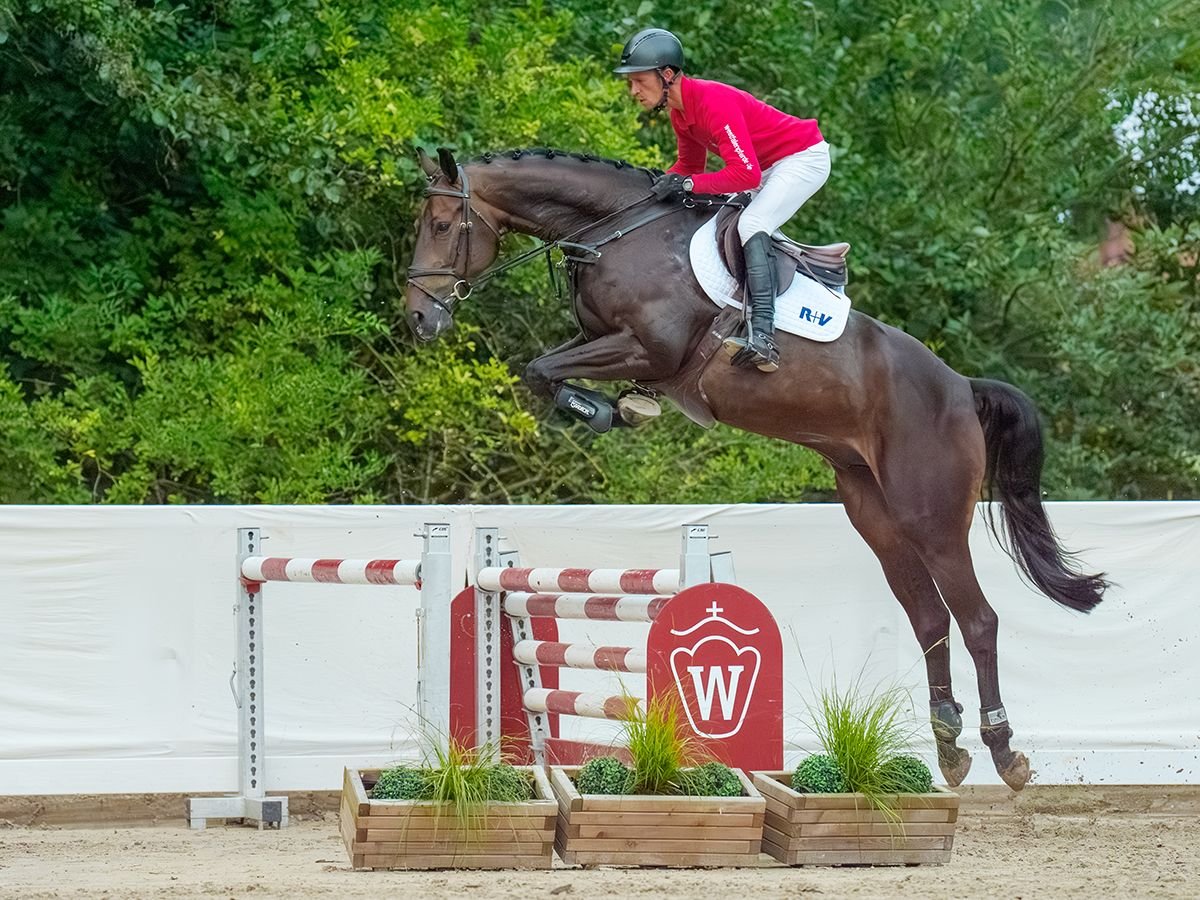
[462, 288]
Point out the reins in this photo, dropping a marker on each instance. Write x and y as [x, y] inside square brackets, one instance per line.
[463, 288]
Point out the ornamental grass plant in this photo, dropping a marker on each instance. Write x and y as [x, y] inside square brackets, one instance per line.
[463, 780]
[667, 757]
[661, 750]
[869, 734]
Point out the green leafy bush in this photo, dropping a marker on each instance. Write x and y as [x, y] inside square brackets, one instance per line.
[712, 779]
[506, 784]
[403, 783]
[906, 775]
[819, 774]
[603, 775]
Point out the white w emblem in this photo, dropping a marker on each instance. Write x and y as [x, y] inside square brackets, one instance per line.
[727, 689]
[707, 675]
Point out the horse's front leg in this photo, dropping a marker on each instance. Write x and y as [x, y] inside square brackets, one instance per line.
[619, 356]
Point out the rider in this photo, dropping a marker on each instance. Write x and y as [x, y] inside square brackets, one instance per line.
[782, 159]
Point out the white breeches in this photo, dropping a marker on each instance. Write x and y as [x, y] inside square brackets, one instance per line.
[786, 186]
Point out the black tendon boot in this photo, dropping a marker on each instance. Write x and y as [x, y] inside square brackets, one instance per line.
[757, 348]
[591, 406]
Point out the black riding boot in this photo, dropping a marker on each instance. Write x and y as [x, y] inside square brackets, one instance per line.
[757, 348]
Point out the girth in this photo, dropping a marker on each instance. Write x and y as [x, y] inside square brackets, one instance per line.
[825, 264]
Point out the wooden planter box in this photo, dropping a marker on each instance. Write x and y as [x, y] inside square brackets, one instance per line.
[643, 830]
[411, 834]
[844, 829]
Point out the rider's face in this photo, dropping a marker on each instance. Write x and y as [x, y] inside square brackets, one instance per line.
[645, 88]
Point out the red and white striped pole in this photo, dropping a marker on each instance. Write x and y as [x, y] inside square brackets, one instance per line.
[332, 571]
[577, 703]
[635, 608]
[580, 656]
[590, 581]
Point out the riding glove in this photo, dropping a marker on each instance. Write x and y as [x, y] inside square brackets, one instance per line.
[669, 186]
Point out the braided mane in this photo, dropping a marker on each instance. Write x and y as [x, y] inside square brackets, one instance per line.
[552, 153]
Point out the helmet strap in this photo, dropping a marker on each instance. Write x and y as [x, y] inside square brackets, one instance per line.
[666, 88]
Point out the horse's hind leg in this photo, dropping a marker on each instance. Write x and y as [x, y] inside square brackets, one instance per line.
[931, 486]
[914, 588]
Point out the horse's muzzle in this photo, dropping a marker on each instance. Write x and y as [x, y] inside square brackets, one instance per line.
[428, 324]
[427, 316]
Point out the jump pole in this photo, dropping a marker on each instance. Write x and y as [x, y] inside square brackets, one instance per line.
[431, 573]
[703, 628]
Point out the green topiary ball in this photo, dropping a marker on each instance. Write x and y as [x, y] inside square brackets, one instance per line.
[906, 775]
[712, 780]
[603, 775]
[402, 783]
[507, 785]
[819, 774]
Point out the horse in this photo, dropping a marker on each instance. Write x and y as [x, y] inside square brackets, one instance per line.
[913, 444]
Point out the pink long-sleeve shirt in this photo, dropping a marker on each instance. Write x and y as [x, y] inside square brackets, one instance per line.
[745, 132]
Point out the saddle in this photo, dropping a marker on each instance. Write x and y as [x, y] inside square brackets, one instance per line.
[825, 264]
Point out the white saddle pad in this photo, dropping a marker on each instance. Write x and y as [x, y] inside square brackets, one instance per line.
[806, 308]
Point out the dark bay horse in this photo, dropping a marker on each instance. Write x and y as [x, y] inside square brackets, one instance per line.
[914, 444]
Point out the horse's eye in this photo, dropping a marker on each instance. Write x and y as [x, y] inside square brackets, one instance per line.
[441, 227]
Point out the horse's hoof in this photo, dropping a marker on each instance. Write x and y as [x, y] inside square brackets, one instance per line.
[637, 409]
[956, 772]
[1016, 775]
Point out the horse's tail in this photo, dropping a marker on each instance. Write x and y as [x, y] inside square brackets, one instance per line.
[1012, 434]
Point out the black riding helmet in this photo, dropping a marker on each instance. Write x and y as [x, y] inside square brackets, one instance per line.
[651, 48]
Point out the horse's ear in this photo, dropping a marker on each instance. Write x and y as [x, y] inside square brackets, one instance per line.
[428, 166]
[449, 166]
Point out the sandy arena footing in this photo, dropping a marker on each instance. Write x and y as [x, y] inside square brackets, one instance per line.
[1055, 842]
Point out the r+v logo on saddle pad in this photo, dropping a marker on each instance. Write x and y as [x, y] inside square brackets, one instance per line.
[820, 318]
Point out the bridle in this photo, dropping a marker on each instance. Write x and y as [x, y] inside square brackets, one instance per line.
[462, 287]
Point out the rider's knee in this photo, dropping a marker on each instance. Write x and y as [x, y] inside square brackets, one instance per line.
[749, 225]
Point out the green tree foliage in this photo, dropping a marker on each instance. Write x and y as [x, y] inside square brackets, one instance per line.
[204, 212]
[205, 216]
